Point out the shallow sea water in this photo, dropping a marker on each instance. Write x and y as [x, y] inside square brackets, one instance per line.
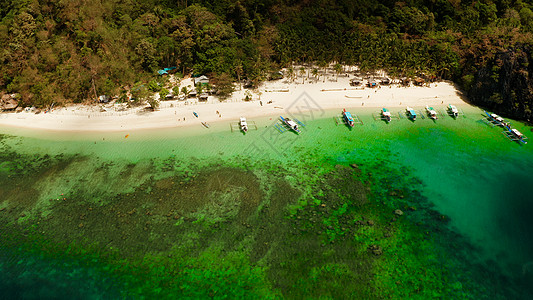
[467, 171]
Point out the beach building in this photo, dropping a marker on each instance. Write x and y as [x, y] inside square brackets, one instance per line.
[203, 97]
[201, 80]
[103, 99]
[386, 81]
[372, 83]
[356, 81]
[419, 81]
[169, 96]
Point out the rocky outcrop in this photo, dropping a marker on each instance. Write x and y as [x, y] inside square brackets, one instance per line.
[505, 85]
[8, 102]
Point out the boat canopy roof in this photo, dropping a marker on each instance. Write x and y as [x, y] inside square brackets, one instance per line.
[291, 122]
[412, 112]
[518, 133]
[348, 116]
[385, 110]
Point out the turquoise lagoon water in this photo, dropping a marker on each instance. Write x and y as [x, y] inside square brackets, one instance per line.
[466, 171]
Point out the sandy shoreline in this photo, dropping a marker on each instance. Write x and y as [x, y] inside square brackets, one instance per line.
[287, 98]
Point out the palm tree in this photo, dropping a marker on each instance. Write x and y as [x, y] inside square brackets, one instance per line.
[315, 73]
[302, 73]
[290, 72]
[323, 64]
[185, 91]
[238, 70]
[338, 70]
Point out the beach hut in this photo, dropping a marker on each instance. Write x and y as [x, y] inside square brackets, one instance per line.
[386, 81]
[169, 96]
[203, 97]
[419, 81]
[103, 99]
[372, 83]
[201, 80]
[356, 81]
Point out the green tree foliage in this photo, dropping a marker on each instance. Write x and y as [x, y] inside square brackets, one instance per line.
[68, 51]
[224, 86]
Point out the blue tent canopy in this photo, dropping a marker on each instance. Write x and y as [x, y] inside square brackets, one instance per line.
[165, 70]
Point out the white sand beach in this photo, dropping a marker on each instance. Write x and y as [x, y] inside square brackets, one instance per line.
[273, 98]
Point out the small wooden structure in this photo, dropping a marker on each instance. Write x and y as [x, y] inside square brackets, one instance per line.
[203, 97]
[201, 80]
[356, 81]
[419, 81]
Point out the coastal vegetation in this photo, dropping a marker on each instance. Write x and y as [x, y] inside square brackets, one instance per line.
[71, 51]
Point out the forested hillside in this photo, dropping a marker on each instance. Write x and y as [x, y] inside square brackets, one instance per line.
[70, 50]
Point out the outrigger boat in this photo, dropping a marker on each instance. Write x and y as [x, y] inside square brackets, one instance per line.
[515, 135]
[348, 118]
[431, 112]
[497, 120]
[195, 114]
[385, 114]
[205, 124]
[411, 113]
[291, 124]
[453, 111]
[519, 136]
[243, 124]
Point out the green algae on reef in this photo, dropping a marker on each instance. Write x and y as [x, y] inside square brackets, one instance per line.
[321, 222]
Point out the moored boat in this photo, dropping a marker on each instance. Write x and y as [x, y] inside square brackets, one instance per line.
[497, 120]
[518, 135]
[348, 118]
[385, 114]
[205, 124]
[291, 124]
[454, 112]
[243, 124]
[431, 112]
[411, 113]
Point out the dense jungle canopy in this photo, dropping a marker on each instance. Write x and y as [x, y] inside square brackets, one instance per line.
[61, 51]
